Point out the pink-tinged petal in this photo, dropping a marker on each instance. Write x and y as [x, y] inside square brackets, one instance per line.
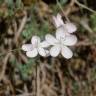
[70, 40]
[60, 33]
[55, 50]
[35, 40]
[43, 52]
[59, 19]
[32, 53]
[66, 52]
[44, 44]
[27, 47]
[70, 27]
[50, 39]
[59, 16]
[55, 22]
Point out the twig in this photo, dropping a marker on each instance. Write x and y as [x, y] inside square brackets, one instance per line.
[83, 22]
[43, 71]
[62, 10]
[38, 82]
[83, 43]
[27, 94]
[14, 25]
[8, 82]
[60, 75]
[67, 12]
[2, 54]
[85, 7]
[4, 66]
[23, 57]
[23, 22]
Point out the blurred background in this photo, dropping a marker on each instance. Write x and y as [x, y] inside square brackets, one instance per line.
[23, 76]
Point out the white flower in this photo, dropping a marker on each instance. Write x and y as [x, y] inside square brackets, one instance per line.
[67, 27]
[36, 47]
[60, 44]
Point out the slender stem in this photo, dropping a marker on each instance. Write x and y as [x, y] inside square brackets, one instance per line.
[37, 94]
[36, 80]
[85, 7]
[58, 3]
[9, 51]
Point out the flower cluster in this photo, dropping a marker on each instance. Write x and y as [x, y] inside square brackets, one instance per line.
[56, 44]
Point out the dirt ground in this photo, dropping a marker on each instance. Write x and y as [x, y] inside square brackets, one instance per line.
[22, 76]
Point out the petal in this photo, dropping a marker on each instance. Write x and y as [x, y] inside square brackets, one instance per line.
[50, 39]
[32, 53]
[70, 40]
[66, 52]
[59, 16]
[58, 20]
[35, 40]
[55, 50]
[44, 44]
[60, 33]
[43, 52]
[70, 27]
[55, 22]
[27, 47]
